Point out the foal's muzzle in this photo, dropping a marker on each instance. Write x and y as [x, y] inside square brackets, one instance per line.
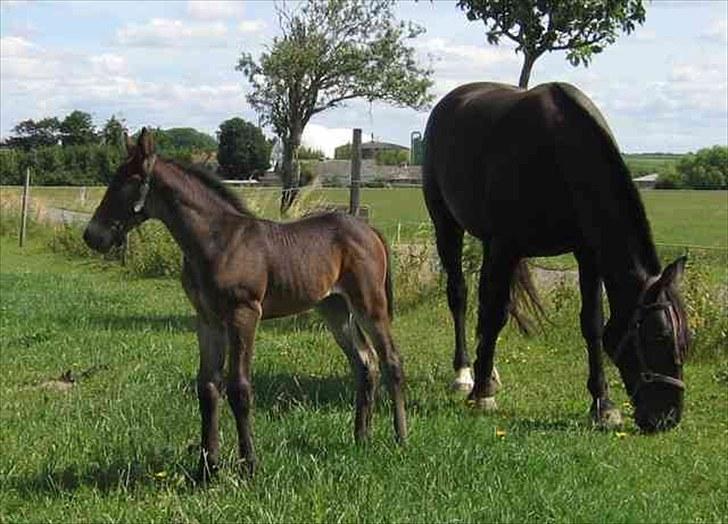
[100, 238]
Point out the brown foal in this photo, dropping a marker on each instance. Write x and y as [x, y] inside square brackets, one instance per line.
[239, 269]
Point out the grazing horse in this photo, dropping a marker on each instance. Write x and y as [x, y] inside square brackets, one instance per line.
[239, 269]
[538, 173]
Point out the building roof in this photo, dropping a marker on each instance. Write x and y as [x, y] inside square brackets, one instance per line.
[382, 145]
[652, 177]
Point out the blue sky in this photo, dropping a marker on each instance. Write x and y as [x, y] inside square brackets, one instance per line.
[172, 64]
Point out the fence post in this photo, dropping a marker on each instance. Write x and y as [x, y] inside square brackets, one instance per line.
[355, 172]
[24, 211]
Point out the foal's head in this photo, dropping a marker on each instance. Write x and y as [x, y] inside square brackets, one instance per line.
[650, 353]
[122, 207]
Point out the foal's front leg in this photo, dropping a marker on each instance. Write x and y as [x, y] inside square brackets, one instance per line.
[241, 336]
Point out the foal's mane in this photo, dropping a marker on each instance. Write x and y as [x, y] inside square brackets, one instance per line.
[212, 182]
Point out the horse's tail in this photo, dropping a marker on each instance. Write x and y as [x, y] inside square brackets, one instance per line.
[525, 297]
[388, 288]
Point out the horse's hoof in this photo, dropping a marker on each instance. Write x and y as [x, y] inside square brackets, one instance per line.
[484, 404]
[607, 417]
[463, 381]
[610, 419]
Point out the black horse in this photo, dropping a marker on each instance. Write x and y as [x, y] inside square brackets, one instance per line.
[538, 173]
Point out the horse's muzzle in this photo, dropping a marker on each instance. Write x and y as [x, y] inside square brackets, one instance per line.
[99, 238]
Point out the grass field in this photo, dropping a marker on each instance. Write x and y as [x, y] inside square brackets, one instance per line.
[646, 163]
[117, 445]
[698, 218]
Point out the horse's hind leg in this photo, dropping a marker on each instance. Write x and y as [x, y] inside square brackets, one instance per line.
[449, 237]
[362, 359]
[212, 343]
[496, 274]
[376, 323]
[602, 410]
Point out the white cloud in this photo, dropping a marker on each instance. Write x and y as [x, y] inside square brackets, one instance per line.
[165, 32]
[325, 138]
[109, 63]
[214, 9]
[14, 46]
[717, 32]
[251, 26]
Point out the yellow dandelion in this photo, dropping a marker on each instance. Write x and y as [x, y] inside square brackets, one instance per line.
[160, 474]
[620, 434]
[500, 433]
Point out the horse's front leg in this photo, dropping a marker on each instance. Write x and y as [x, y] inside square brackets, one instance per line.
[241, 337]
[603, 411]
[496, 274]
[212, 343]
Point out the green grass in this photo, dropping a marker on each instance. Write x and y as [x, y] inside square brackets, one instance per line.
[118, 445]
[645, 163]
[695, 218]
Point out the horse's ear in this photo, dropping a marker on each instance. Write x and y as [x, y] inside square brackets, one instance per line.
[129, 143]
[146, 143]
[672, 274]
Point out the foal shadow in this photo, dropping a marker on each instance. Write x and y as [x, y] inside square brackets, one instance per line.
[154, 466]
[161, 323]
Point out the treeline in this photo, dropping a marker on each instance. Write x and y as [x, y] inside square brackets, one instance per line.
[706, 169]
[72, 151]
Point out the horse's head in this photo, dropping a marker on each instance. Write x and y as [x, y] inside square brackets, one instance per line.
[123, 205]
[650, 352]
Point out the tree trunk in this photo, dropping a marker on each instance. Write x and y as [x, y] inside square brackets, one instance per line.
[528, 61]
[290, 171]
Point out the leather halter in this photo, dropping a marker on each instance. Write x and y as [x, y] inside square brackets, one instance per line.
[647, 376]
[148, 168]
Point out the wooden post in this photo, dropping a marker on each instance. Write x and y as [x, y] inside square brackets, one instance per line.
[24, 212]
[355, 172]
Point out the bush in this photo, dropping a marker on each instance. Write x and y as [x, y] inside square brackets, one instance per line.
[669, 180]
[706, 169]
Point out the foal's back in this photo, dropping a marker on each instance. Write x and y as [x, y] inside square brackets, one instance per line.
[300, 263]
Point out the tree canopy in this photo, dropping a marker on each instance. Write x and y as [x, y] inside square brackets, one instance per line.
[243, 150]
[328, 53]
[78, 129]
[582, 28]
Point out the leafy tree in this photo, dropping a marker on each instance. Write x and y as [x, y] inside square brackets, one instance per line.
[112, 134]
[706, 169]
[78, 129]
[30, 134]
[307, 153]
[189, 138]
[343, 152]
[582, 28]
[392, 157]
[330, 52]
[242, 150]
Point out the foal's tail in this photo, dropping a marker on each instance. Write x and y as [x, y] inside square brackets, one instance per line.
[388, 289]
[523, 293]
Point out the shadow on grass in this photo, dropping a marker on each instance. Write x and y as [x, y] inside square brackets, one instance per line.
[144, 322]
[153, 467]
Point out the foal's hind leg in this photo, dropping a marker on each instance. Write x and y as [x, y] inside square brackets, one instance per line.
[449, 237]
[362, 358]
[212, 343]
[602, 410]
[373, 318]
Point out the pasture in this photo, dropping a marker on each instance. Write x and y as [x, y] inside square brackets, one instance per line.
[678, 217]
[100, 418]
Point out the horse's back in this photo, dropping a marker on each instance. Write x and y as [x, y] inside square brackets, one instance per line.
[490, 161]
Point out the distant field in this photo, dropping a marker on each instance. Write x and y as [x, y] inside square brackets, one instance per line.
[680, 217]
[645, 164]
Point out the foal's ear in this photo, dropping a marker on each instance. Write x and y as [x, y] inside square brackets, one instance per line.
[672, 274]
[146, 143]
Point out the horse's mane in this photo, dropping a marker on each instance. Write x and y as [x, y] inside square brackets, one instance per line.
[213, 182]
[627, 189]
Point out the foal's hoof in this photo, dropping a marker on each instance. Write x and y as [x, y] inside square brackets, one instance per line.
[607, 416]
[205, 473]
[484, 404]
[463, 381]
